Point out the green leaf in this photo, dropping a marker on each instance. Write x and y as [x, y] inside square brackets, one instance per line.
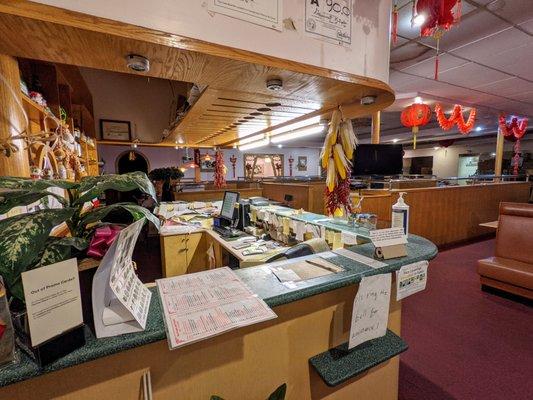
[24, 237]
[279, 393]
[15, 198]
[215, 397]
[11, 182]
[60, 249]
[138, 212]
[93, 186]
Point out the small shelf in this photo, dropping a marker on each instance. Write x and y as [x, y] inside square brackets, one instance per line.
[339, 364]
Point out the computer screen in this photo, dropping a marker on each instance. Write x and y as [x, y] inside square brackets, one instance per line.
[378, 159]
[228, 205]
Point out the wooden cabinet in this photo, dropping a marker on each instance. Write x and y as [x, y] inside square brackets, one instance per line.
[184, 253]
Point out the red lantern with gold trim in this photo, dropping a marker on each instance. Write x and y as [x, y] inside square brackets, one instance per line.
[414, 116]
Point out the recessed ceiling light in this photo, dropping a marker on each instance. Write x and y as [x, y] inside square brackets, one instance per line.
[418, 99]
[280, 146]
[436, 148]
[419, 19]
[479, 128]
[493, 154]
[395, 140]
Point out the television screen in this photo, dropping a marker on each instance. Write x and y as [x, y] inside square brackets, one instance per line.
[377, 159]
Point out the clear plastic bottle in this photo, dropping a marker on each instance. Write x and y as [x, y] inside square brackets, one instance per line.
[400, 214]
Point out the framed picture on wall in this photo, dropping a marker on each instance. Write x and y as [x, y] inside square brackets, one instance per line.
[302, 163]
[115, 130]
[207, 165]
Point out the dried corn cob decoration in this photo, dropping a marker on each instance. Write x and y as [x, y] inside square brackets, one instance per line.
[336, 156]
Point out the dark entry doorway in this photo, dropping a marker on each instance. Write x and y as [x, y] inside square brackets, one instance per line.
[131, 161]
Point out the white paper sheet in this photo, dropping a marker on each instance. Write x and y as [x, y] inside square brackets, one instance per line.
[370, 309]
[411, 278]
[117, 287]
[388, 237]
[205, 304]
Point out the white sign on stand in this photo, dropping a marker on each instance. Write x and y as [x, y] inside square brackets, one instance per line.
[329, 20]
[120, 300]
[370, 314]
[53, 300]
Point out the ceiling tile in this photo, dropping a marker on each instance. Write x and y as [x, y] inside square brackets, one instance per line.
[471, 75]
[528, 26]
[516, 11]
[474, 26]
[408, 54]
[426, 67]
[507, 87]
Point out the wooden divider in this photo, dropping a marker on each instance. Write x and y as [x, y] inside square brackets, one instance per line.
[306, 195]
[214, 195]
[452, 214]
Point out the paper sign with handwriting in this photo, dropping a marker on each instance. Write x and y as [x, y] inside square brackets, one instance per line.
[370, 309]
[53, 300]
[329, 20]
[411, 279]
[387, 237]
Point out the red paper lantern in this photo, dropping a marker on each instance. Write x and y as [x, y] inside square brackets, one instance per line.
[414, 116]
[439, 15]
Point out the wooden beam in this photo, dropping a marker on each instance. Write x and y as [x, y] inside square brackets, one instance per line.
[499, 154]
[12, 121]
[376, 122]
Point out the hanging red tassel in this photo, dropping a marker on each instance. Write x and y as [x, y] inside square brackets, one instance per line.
[516, 158]
[437, 37]
[458, 11]
[394, 30]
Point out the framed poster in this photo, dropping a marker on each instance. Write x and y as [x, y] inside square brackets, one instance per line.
[207, 165]
[329, 20]
[302, 163]
[260, 12]
[115, 130]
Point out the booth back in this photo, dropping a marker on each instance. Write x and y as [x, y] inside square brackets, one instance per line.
[514, 238]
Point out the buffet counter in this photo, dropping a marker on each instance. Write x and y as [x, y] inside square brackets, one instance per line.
[248, 363]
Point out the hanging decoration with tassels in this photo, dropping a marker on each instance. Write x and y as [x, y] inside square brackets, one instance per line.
[336, 159]
[415, 116]
[440, 16]
[514, 131]
[456, 118]
[220, 170]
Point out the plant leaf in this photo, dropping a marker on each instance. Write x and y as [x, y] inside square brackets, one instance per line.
[279, 393]
[11, 182]
[93, 186]
[215, 397]
[60, 249]
[15, 198]
[24, 237]
[138, 212]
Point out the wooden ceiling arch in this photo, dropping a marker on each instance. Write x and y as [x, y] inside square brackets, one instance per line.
[235, 79]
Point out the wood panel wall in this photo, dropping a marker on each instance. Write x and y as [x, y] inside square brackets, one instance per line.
[309, 195]
[449, 215]
[215, 195]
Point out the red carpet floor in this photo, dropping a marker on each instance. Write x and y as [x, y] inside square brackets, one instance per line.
[464, 343]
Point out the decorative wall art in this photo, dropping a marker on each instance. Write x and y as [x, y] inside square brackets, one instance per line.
[263, 165]
[302, 164]
[115, 130]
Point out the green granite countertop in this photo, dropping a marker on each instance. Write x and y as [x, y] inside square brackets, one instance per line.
[260, 279]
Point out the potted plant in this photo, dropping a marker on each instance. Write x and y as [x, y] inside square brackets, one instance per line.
[26, 241]
[163, 178]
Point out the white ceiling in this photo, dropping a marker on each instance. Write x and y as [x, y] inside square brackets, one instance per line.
[486, 61]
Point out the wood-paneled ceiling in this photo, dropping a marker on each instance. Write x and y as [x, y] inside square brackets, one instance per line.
[236, 80]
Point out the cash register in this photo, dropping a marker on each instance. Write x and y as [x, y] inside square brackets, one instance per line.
[226, 222]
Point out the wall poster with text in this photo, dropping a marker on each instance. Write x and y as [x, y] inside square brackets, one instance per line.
[260, 12]
[329, 20]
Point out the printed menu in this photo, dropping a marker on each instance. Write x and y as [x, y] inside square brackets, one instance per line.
[205, 304]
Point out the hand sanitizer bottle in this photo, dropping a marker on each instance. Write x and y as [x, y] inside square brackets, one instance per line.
[400, 214]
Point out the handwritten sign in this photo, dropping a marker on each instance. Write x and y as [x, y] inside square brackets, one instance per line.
[388, 237]
[370, 309]
[260, 12]
[329, 20]
[411, 279]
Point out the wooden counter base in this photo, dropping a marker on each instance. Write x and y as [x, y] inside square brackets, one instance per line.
[248, 363]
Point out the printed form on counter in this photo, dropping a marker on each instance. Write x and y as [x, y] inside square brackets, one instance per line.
[206, 304]
[370, 314]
